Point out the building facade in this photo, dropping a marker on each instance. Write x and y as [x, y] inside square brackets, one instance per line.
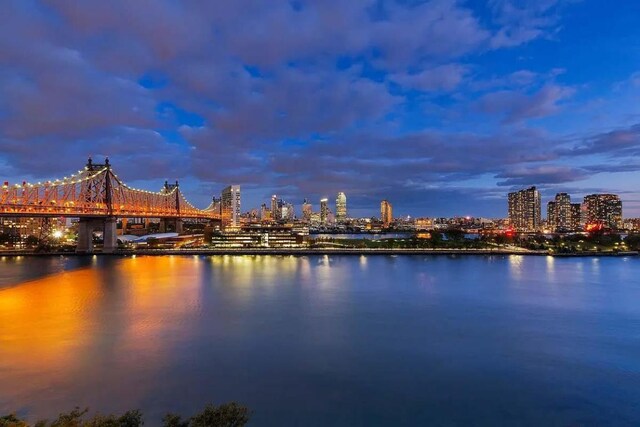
[562, 215]
[341, 207]
[525, 210]
[230, 206]
[386, 213]
[324, 211]
[307, 210]
[603, 210]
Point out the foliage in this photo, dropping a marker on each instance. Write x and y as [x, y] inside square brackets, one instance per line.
[226, 415]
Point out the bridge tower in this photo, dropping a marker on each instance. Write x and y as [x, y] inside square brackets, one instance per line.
[172, 224]
[99, 191]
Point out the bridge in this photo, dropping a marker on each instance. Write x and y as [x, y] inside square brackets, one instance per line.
[98, 197]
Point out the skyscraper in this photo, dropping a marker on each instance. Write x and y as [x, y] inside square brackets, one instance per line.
[324, 211]
[525, 209]
[604, 210]
[307, 209]
[560, 213]
[275, 215]
[231, 206]
[386, 213]
[341, 207]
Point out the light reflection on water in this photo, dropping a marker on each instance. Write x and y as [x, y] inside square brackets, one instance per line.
[320, 340]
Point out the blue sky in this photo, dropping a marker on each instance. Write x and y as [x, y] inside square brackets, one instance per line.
[440, 106]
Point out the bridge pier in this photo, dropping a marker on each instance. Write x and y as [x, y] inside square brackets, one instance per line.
[109, 236]
[86, 227]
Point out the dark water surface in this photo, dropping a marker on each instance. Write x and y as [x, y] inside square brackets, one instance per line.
[319, 340]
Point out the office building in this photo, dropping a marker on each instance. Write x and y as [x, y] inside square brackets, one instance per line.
[386, 213]
[341, 207]
[230, 206]
[603, 210]
[525, 210]
[324, 211]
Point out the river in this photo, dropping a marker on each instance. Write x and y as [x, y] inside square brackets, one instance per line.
[326, 340]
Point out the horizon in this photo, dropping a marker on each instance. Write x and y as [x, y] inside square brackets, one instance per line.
[442, 107]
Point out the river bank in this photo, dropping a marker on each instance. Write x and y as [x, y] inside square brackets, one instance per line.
[327, 251]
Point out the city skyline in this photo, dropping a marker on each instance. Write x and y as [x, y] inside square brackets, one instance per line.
[436, 105]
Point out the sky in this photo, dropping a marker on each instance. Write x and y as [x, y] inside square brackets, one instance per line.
[439, 106]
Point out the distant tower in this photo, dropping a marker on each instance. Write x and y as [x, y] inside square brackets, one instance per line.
[275, 215]
[307, 210]
[386, 213]
[324, 211]
[341, 207]
[231, 206]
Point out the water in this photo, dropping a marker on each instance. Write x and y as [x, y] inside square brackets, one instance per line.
[315, 341]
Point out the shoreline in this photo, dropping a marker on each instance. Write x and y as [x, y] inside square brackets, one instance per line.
[322, 251]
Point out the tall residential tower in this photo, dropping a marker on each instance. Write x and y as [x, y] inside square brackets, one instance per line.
[525, 210]
[231, 206]
[341, 207]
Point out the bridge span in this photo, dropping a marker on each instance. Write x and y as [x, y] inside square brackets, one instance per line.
[98, 197]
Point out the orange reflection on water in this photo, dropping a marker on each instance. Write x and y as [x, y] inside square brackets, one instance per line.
[116, 316]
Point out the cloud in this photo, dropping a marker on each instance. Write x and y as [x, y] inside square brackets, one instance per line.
[538, 175]
[372, 97]
[441, 78]
[516, 106]
[617, 142]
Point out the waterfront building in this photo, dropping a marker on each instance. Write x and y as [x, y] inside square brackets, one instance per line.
[230, 206]
[307, 209]
[423, 223]
[603, 210]
[341, 207]
[260, 236]
[562, 215]
[324, 211]
[386, 213]
[525, 210]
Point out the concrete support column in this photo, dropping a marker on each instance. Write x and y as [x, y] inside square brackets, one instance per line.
[109, 236]
[179, 226]
[163, 225]
[85, 236]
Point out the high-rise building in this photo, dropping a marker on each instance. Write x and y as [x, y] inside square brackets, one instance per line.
[525, 209]
[386, 213]
[275, 214]
[341, 207]
[265, 213]
[307, 209]
[231, 206]
[324, 211]
[603, 210]
[560, 213]
[576, 216]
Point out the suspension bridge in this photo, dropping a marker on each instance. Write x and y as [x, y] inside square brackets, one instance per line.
[98, 197]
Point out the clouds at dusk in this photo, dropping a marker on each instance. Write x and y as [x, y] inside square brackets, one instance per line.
[436, 105]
